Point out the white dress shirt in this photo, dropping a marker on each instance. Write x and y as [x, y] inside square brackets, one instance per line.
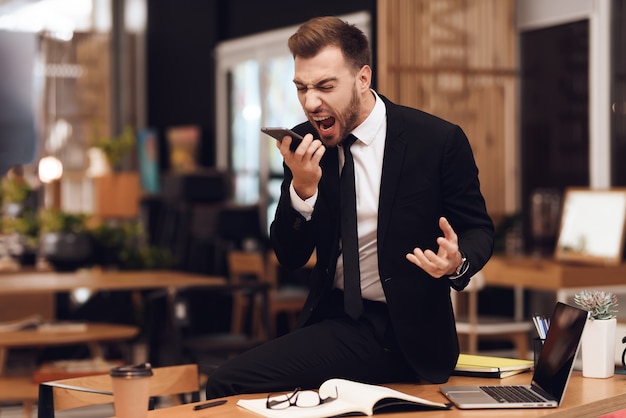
[368, 153]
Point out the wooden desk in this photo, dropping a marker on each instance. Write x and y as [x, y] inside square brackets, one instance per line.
[585, 397]
[565, 279]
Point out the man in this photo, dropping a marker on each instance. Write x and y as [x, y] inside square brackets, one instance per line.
[422, 229]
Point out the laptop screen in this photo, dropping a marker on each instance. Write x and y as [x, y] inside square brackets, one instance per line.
[559, 349]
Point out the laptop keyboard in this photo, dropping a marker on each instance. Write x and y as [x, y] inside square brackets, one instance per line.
[511, 394]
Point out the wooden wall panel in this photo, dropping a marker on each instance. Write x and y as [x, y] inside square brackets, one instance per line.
[457, 59]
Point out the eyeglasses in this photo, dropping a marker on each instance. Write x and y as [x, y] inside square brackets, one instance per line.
[299, 398]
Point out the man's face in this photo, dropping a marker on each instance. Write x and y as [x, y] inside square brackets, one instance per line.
[331, 94]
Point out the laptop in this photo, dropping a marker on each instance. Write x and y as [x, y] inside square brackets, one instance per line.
[550, 377]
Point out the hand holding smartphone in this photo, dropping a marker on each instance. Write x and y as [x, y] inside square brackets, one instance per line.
[280, 133]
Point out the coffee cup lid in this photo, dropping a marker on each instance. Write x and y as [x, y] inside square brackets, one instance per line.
[130, 371]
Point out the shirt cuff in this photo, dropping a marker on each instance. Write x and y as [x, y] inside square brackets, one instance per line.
[303, 207]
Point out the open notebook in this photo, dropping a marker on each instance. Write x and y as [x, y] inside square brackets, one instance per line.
[551, 375]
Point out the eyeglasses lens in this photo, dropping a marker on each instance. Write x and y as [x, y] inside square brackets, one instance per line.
[307, 399]
[301, 399]
[283, 401]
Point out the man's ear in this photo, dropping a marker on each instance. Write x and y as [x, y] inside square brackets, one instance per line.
[364, 78]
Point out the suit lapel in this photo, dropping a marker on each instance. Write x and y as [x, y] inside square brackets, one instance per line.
[395, 146]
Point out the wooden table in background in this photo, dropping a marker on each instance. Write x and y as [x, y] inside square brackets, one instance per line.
[14, 285]
[585, 397]
[37, 282]
[565, 279]
[93, 335]
[41, 288]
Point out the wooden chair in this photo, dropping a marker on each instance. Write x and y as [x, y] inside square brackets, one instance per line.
[244, 265]
[19, 389]
[211, 349]
[22, 388]
[256, 303]
[472, 326]
[60, 395]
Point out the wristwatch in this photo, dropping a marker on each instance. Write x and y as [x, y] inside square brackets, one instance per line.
[462, 268]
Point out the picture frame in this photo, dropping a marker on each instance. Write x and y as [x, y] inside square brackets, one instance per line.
[184, 143]
[592, 226]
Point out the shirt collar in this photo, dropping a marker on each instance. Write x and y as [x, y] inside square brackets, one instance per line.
[366, 131]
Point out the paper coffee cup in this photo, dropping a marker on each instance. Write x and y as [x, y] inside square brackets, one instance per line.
[131, 390]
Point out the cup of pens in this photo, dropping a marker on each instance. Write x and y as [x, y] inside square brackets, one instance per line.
[542, 324]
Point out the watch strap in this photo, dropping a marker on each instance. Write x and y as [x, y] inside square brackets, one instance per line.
[461, 269]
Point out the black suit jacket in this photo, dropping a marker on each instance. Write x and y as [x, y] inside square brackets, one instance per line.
[428, 172]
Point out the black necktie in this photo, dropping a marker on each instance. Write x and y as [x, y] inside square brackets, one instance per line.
[353, 303]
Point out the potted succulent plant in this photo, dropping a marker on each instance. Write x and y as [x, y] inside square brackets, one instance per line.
[598, 341]
[599, 304]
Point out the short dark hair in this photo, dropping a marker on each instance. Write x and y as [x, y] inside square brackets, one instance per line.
[320, 32]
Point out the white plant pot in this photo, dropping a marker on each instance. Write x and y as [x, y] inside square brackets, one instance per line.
[598, 348]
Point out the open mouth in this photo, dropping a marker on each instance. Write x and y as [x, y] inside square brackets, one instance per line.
[325, 124]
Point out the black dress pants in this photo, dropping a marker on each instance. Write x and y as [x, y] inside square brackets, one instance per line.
[334, 345]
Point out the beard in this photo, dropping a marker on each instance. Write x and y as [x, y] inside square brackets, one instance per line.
[350, 115]
[346, 117]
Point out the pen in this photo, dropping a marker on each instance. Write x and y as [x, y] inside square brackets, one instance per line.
[538, 327]
[209, 404]
[542, 325]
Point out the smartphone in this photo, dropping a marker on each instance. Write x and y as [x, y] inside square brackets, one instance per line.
[280, 133]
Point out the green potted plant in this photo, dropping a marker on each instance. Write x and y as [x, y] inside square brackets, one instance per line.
[598, 341]
[110, 241]
[599, 304]
[113, 171]
[14, 191]
[150, 257]
[19, 220]
[65, 240]
[25, 228]
[123, 245]
[116, 149]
